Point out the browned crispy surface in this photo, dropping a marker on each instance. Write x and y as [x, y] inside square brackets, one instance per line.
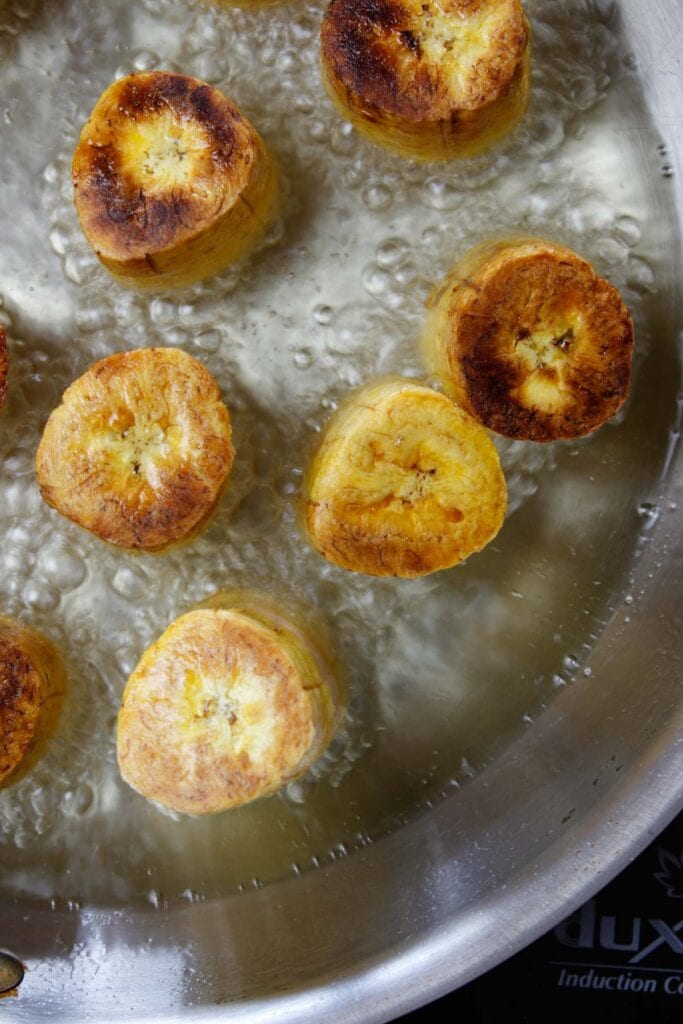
[139, 451]
[215, 715]
[505, 305]
[126, 217]
[369, 545]
[31, 686]
[381, 55]
[4, 365]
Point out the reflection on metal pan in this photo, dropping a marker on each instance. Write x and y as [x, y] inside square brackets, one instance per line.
[514, 728]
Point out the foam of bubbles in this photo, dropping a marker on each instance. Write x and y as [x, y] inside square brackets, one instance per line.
[334, 295]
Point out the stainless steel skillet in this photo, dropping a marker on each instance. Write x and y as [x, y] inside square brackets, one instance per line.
[444, 887]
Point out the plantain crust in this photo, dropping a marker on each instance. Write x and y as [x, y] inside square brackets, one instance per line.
[531, 341]
[403, 483]
[4, 365]
[226, 707]
[430, 80]
[171, 182]
[32, 685]
[139, 452]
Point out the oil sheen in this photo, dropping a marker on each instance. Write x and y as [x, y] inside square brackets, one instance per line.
[443, 671]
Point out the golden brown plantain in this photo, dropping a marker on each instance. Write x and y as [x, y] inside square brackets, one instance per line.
[429, 79]
[139, 452]
[32, 684]
[232, 702]
[403, 483]
[172, 183]
[530, 340]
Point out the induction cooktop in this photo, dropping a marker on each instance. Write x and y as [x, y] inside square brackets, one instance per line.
[618, 958]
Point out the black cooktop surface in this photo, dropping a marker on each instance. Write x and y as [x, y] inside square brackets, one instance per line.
[619, 958]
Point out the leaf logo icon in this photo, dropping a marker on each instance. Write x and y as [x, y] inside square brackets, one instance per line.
[671, 874]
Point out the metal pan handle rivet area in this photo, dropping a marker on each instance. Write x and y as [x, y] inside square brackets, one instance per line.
[11, 973]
